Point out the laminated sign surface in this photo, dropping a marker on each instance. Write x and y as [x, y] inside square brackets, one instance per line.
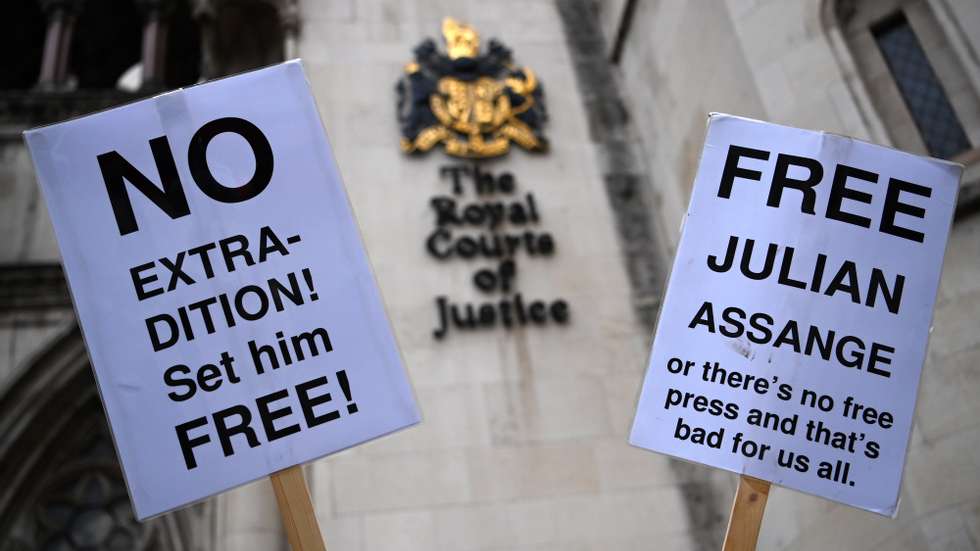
[794, 328]
[227, 303]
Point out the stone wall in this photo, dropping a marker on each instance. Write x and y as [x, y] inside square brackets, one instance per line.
[28, 244]
[680, 61]
[523, 445]
[786, 62]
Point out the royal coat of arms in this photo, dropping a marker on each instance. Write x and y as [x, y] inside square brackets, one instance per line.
[473, 104]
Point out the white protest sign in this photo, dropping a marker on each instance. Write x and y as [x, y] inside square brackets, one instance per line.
[228, 306]
[795, 322]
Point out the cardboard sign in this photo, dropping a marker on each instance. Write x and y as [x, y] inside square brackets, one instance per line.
[228, 306]
[795, 322]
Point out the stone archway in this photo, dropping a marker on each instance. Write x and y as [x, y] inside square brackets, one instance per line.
[63, 487]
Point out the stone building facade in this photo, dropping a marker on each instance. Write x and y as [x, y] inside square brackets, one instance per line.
[523, 446]
[822, 65]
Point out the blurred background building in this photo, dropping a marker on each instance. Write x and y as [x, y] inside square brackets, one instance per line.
[523, 446]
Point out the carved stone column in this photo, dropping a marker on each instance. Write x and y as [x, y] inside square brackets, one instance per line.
[289, 16]
[156, 14]
[61, 16]
[204, 13]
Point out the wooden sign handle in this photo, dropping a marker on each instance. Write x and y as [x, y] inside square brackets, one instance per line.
[747, 511]
[296, 508]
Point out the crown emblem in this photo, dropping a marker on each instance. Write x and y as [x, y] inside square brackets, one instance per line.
[473, 104]
[461, 40]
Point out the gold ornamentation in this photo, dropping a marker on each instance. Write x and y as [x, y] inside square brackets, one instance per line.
[461, 40]
[477, 104]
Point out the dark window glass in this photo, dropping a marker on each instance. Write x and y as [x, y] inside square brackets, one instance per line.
[22, 29]
[183, 47]
[107, 41]
[922, 91]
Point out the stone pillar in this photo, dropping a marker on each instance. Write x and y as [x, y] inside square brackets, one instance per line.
[204, 15]
[57, 43]
[289, 17]
[154, 57]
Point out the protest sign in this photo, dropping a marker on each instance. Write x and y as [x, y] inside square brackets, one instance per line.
[795, 322]
[226, 300]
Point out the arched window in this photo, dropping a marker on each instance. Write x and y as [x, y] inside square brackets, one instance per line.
[63, 488]
[143, 46]
[912, 75]
[64, 58]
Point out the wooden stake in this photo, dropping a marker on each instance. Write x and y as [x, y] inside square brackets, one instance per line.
[747, 511]
[296, 509]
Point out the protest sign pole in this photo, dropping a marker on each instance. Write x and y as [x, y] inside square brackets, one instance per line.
[746, 517]
[296, 508]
